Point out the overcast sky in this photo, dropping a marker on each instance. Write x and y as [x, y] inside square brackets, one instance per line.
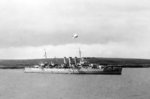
[106, 28]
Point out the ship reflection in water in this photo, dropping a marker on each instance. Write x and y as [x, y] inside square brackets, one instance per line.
[74, 66]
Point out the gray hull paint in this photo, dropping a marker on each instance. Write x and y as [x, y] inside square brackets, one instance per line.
[72, 71]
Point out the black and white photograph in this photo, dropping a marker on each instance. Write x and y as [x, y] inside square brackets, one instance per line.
[74, 49]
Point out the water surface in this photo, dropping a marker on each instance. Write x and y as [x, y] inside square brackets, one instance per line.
[132, 84]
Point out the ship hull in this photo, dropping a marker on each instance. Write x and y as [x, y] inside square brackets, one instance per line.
[72, 71]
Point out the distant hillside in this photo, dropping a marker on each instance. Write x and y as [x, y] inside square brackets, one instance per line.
[119, 61]
[105, 61]
[27, 62]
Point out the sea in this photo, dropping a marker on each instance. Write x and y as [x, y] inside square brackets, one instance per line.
[134, 83]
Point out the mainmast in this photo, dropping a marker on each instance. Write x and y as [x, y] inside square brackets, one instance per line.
[80, 53]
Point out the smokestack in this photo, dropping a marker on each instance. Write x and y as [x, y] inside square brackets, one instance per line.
[75, 61]
[65, 60]
[70, 61]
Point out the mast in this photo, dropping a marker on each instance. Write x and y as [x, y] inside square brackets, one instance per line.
[79, 53]
[45, 54]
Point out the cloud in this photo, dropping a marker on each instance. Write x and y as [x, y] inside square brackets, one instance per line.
[39, 23]
[116, 50]
[43, 22]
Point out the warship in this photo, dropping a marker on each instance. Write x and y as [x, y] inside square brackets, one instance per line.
[73, 66]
